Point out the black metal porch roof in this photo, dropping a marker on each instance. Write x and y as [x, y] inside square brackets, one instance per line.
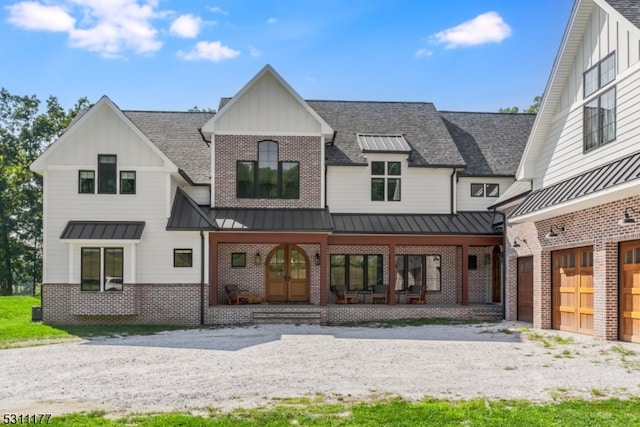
[614, 173]
[103, 230]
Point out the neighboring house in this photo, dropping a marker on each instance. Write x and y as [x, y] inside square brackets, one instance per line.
[149, 215]
[573, 255]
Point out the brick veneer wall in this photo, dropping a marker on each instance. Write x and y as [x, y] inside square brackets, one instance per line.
[597, 227]
[305, 149]
[139, 304]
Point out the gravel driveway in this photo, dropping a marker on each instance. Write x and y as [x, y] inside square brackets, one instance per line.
[193, 370]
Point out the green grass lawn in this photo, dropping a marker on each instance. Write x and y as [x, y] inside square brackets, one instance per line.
[395, 412]
[16, 325]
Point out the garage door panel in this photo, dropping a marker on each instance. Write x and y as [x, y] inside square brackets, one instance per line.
[630, 291]
[572, 290]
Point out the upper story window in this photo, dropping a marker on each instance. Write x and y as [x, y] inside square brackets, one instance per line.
[385, 181]
[268, 177]
[107, 173]
[485, 190]
[107, 178]
[600, 112]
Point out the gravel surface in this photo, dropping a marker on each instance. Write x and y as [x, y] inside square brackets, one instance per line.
[194, 370]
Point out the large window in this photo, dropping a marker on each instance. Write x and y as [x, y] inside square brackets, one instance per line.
[418, 270]
[267, 178]
[600, 112]
[356, 272]
[385, 181]
[107, 174]
[101, 269]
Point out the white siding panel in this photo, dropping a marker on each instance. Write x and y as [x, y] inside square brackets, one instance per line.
[267, 107]
[467, 203]
[423, 190]
[562, 155]
[201, 194]
[104, 133]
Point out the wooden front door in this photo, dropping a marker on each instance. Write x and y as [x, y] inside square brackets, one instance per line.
[572, 290]
[525, 289]
[287, 275]
[630, 291]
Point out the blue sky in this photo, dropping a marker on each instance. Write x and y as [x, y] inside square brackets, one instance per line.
[462, 55]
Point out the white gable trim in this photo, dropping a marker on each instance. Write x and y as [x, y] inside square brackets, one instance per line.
[210, 127]
[40, 164]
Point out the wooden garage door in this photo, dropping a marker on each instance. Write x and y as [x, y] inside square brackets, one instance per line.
[630, 291]
[525, 289]
[572, 290]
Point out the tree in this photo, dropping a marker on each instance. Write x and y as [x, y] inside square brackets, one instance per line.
[533, 109]
[24, 133]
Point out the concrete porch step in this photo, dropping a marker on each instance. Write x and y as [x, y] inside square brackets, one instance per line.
[287, 316]
[488, 312]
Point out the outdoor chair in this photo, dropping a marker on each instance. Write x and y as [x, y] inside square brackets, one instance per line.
[416, 293]
[379, 293]
[345, 296]
[236, 295]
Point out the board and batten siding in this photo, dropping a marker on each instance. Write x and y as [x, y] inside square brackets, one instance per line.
[464, 201]
[423, 190]
[267, 108]
[201, 194]
[563, 155]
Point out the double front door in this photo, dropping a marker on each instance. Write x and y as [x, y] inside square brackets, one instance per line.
[287, 275]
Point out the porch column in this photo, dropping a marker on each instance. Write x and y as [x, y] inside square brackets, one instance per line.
[323, 272]
[392, 274]
[465, 274]
[213, 271]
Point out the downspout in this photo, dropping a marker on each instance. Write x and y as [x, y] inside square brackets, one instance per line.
[201, 277]
[453, 191]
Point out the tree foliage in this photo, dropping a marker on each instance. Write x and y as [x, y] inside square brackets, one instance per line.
[25, 131]
[533, 109]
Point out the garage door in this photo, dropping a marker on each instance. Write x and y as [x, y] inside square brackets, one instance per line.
[572, 290]
[525, 289]
[630, 291]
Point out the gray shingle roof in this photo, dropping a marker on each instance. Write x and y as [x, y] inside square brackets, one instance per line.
[418, 122]
[490, 143]
[630, 9]
[177, 135]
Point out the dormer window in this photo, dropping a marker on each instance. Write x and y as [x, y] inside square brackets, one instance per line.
[267, 178]
[385, 181]
[600, 112]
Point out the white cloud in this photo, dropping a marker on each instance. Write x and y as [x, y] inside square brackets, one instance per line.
[35, 16]
[107, 27]
[272, 20]
[210, 51]
[216, 9]
[187, 26]
[486, 28]
[421, 53]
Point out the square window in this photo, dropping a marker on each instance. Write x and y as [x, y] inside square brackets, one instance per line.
[183, 257]
[377, 168]
[493, 190]
[127, 182]
[87, 182]
[393, 168]
[238, 259]
[477, 190]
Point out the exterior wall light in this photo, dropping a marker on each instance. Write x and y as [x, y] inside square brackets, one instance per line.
[516, 244]
[551, 234]
[258, 260]
[317, 258]
[627, 220]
